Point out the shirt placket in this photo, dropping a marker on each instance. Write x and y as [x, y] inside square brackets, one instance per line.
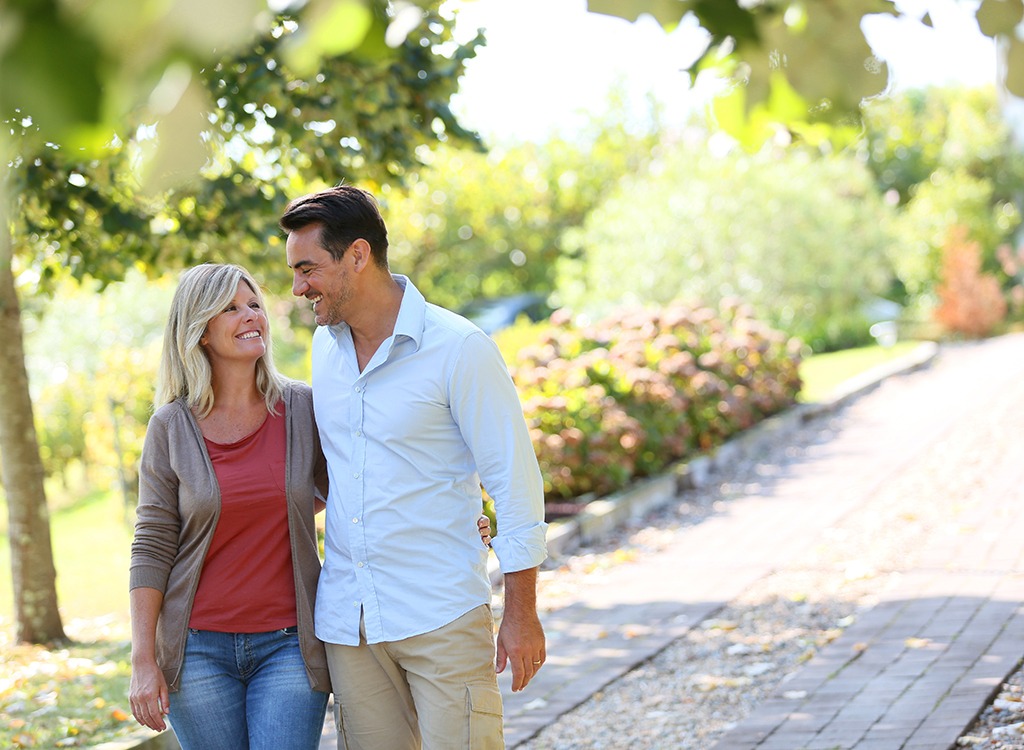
[357, 504]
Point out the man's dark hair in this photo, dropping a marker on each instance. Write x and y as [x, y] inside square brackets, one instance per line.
[345, 214]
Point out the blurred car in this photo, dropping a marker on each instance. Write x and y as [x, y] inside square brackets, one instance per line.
[494, 313]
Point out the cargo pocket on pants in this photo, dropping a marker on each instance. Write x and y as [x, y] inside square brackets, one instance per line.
[485, 727]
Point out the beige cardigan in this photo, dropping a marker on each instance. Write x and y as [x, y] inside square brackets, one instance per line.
[179, 503]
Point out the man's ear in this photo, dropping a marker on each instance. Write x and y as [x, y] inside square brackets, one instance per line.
[362, 255]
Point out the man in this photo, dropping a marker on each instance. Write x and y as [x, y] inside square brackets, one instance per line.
[415, 409]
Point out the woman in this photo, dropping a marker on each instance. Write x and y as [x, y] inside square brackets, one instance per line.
[224, 562]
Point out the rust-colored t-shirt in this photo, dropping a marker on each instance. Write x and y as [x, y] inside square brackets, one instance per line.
[247, 585]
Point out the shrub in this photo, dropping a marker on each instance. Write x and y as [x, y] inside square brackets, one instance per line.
[803, 240]
[1011, 261]
[624, 398]
[970, 302]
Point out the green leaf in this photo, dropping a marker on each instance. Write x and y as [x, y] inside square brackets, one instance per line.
[667, 12]
[206, 26]
[179, 102]
[1015, 67]
[819, 44]
[750, 127]
[784, 103]
[50, 71]
[997, 17]
[829, 62]
[725, 18]
[328, 30]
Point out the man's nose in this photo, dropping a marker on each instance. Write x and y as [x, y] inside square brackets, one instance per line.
[299, 285]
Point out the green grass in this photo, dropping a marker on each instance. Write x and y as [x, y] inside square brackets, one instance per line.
[823, 373]
[69, 697]
[91, 543]
[77, 695]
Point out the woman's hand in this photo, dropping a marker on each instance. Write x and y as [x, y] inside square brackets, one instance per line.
[483, 525]
[148, 696]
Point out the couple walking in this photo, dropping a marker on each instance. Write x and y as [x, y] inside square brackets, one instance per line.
[238, 635]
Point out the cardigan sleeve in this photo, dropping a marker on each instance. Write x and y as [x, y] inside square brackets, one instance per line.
[304, 418]
[157, 522]
[319, 466]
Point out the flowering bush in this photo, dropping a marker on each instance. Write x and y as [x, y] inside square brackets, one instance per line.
[970, 302]
[625, 397]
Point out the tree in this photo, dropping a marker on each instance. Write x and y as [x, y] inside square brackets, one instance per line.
[34, 576]
[911, 135]
[799, 237]
[484, 225]
[947, 157]
[801, 65]
[258, 106]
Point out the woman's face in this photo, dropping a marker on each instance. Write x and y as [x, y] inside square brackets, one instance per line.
[239, 332]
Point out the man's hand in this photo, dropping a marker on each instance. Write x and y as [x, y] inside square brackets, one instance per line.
[521, 637]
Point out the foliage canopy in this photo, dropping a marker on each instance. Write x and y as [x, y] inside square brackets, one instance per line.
[804, 64]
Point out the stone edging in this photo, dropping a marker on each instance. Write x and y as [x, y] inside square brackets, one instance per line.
[602, 516]
[142, 739]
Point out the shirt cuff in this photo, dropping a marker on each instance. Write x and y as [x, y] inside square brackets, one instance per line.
[522, 549]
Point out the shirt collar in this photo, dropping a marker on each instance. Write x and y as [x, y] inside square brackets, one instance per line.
[412, 313]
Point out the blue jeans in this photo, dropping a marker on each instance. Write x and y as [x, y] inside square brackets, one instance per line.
[246, 691]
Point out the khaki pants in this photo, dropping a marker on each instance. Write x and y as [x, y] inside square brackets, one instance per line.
[437, 690]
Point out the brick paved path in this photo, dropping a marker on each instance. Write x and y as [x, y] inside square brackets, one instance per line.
[915, 671]
[912, 672]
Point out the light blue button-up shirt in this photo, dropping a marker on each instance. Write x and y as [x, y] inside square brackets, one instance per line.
[408, 443]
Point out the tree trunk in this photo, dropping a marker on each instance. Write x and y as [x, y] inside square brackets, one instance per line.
[34, 576]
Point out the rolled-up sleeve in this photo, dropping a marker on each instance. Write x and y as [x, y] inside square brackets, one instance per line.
[487, 409]
[157, 522]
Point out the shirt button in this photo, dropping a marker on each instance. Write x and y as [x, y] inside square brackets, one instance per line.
[359, 565]
[359, 389]
[356, 475]
[355, 520]
[359, 433]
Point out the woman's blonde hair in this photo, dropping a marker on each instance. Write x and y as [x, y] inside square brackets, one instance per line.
[204, 292]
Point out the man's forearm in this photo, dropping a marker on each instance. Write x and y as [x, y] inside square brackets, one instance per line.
[521, 593]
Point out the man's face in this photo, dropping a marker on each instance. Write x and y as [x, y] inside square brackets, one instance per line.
[317, 276]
